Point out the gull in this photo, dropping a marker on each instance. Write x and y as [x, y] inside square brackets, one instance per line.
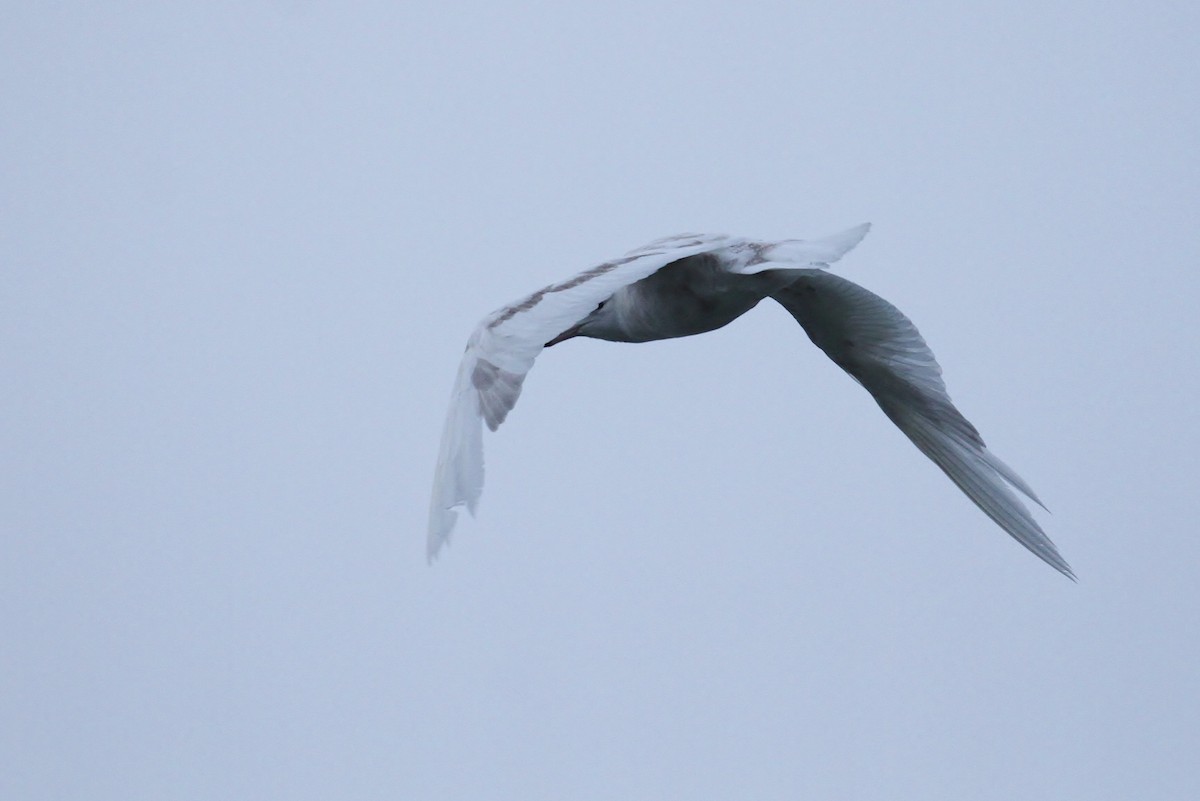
[692, 283]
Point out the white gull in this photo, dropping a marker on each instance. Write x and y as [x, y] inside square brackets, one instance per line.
[692, 283]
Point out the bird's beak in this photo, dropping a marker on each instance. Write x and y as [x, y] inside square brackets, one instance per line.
[573, 331]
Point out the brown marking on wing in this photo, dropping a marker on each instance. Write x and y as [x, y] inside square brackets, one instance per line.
[536, 298]
[498, 391]
[587, 275]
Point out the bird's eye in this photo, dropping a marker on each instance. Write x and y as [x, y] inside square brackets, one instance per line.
[601, 306]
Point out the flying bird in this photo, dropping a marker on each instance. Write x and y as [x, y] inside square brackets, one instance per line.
[693, 283]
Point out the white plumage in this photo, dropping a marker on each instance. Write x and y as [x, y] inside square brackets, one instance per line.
[693, 283]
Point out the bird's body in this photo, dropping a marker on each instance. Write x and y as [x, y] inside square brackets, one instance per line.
[691, 296]
[690, 284]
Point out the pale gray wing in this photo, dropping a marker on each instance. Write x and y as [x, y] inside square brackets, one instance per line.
[502, 350]
[880, 348]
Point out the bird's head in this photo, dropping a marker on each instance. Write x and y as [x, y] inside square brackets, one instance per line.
[602, 323]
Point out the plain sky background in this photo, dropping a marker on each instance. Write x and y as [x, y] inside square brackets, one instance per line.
[242, 245]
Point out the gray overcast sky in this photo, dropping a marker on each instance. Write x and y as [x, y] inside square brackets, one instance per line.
[242, 245]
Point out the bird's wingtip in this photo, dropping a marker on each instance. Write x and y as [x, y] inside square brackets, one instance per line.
[843, 242]
[441, 524]
[857, 233]
[1060, 564]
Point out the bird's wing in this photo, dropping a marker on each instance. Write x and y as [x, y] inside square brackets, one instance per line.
[804, 253]
[502, 350]
[880, 348]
